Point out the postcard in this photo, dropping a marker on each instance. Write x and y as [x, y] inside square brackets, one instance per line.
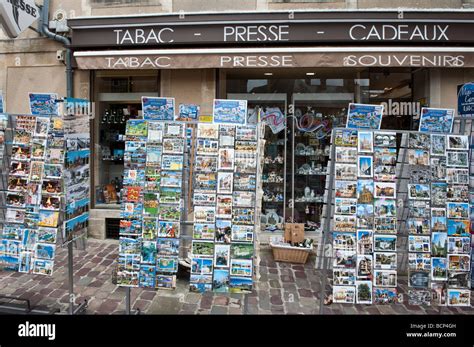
[458, 210]
[171, 213]
[136, 127]
[155, 131]
[172, 162]
[133, 177]
[344, 223]
[343, 189]
[419, 191]
[173, 145]
[419, 297]
[202, 249]
[221, 255]
[226, 159]
[439, 293]
[226, 136]
[418, 226]
[242, 233]
[439, 271]
[204, 214]
[344, 241]
[458, 227]
[347, 138]
[459, 262]
[245, 181]
[365, 191]
[418, 208]
[50, 202]
[362, 116]
[246, 146]
[243, 216]
[419, 141]
[241, 267]
[38, 151]
[46, 235]
[438, 144]
[224, 207]
[167, 264]
[171, 179]
[420, 174]
[459, 245]
[148, 252]
[343, 277]
[346, 171]
[436, 120]
[15, 215]
[208, 131]
[45, 251]
[20, 168]
[366, 142]
[385, 278]
[365, 243]
[158, 108]
[418, 278]
[346, 155]
[204, 231]
[457, 176]
[385, 190]
[246, 133]
[243, 199]
[200, 283]
[419, 261]
[204, 199]
[174, 130]
[221, 281]
[459, 279]
[459, 297]
[345, 206]
[14, 199]
[170, 195]
[385, 156]
[230, 111]
[439, 224]
[438, 168]
[205, 182]
[385, 261]
[43, 103]
[149, 230]
[345, 259]
[385, 139]
[42, 126]
[25, 262]
[167, 247]
[147, 276]
[385, 243]
[385, 207]
[168, 229]
[344, 294]
[48, 218]
[225, 182]
[242, 250]
[201, 266]
[207, 163]
[207, 147]
[21, 137]
[364, 266]
[418, 157]
[417, 243]
[457, 159]
[166, 282]
[22, 152]
[365, 167]
[457, 193]
[153, 155]
[458, 142]
[364, 292]
[438, 194]
[438, 212]
[43, 267]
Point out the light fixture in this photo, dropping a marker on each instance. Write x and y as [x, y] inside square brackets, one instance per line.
[310, 74]
[268, 73]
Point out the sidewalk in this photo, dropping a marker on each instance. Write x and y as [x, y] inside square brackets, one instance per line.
[280, 288]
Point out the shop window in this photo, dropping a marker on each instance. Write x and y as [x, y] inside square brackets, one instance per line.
[118, 99]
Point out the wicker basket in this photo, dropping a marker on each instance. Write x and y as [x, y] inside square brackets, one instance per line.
[291, 254]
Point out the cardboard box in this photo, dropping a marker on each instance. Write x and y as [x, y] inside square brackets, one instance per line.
[297, 233]
[287, 234]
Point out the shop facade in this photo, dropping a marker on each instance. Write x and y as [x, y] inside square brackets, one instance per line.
[307, 65]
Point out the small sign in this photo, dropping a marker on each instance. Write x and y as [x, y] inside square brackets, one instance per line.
[16, 16]
[205, 119]
[436, 120]
[466, 100]
[44, 104]
[363, 116]
[230, 111]
[188, 112]
[158, 108]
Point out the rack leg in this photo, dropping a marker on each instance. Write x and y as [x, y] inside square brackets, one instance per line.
[127, 300]
[70, 266]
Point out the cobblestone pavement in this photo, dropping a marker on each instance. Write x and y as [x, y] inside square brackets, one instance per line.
[281, 288]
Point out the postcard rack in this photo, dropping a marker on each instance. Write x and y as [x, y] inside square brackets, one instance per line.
[33, 197]
[416, 187]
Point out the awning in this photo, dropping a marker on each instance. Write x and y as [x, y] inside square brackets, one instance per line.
[276, 57]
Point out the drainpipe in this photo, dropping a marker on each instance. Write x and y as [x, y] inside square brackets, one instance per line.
[44, 29]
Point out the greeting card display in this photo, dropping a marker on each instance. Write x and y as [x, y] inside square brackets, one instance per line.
[224, 206]
[151, 203]
[35, 195]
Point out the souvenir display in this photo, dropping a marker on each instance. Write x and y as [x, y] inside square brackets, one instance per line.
[34, 194]
[224, 206]
[365, 214]
[151, 196]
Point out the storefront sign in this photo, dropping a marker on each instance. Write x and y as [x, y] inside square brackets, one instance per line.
[466, 100]
[17, 15]
[93, 61]
[272, 28]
